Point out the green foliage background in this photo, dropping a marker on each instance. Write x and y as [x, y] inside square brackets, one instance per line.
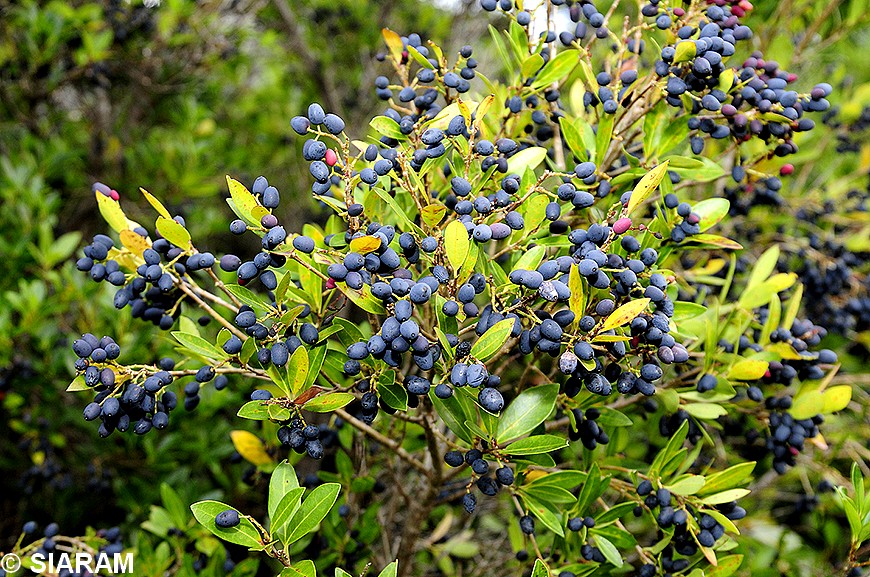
[174, 98]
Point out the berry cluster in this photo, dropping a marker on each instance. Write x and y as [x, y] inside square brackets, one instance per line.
[503, 476]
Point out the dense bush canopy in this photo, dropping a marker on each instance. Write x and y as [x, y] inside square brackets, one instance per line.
[594, 305]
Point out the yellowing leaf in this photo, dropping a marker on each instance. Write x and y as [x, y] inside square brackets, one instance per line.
[250, 447]
[836, 398]
[432, 214]
[134, 242]
[647, 184]
[625, 313]
[158, 206]
[243, 200]
[365, 244]
[684, 51]
[394, 43]
[748, 370]
[482, 109]
[715, 240]
[173, 232]
[456, 243]
[112, 213]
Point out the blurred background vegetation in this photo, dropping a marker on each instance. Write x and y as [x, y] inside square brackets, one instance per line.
[174, 96]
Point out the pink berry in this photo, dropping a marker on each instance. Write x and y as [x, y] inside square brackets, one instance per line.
[114, 195]
[786, 169]
[330, 284]
[621, 225]
[331, 157]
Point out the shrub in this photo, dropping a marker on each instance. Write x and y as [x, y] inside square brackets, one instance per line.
[520, 311]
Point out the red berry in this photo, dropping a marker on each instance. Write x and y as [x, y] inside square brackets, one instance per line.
[330, 284]
[114, 195]
[786, 169]
[679, 12]
[331, 158]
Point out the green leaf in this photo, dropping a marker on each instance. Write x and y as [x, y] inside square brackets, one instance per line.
[387, 127]
[711, 211]
[670, 450]
[304, 568]
[527, 411]
[456, 244]
[531, 65]
[646, 186]
[530, 259]
[297, 370]
[609, 550]
[491, 342]
[174, 505]
[527, 158]
[199, 345]
[254, 410]
[705, 410]
[328, 402]
[613, 418]
[624, 314]
[247, 297]
[688, 485]
[363, 299]
[764, 267]
[315, 507]
[244, 534]
[390, 570]
[173, 232]
[548, 493]
[535, 445]
[540, 569]
[285, 510]
[546, 513]
[283, 481]
[394, 395]
[452, 413]
[603, 136]
[725, 496]
[77, 384]
[557, 68]
[684, 52]
[727, 479]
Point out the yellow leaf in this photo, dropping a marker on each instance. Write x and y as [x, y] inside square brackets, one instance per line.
[647, 184]
[685, 51]
[112, 213]
[250, 447]
[836, 398]
[394, 43]
[158, 206]
[456, 244]
[173, 232]
[244, 200]
[482, 109]
[433, 214]
[464, 111]
[365, 244]
[135, 243]
[624, 314]
[748, 370]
